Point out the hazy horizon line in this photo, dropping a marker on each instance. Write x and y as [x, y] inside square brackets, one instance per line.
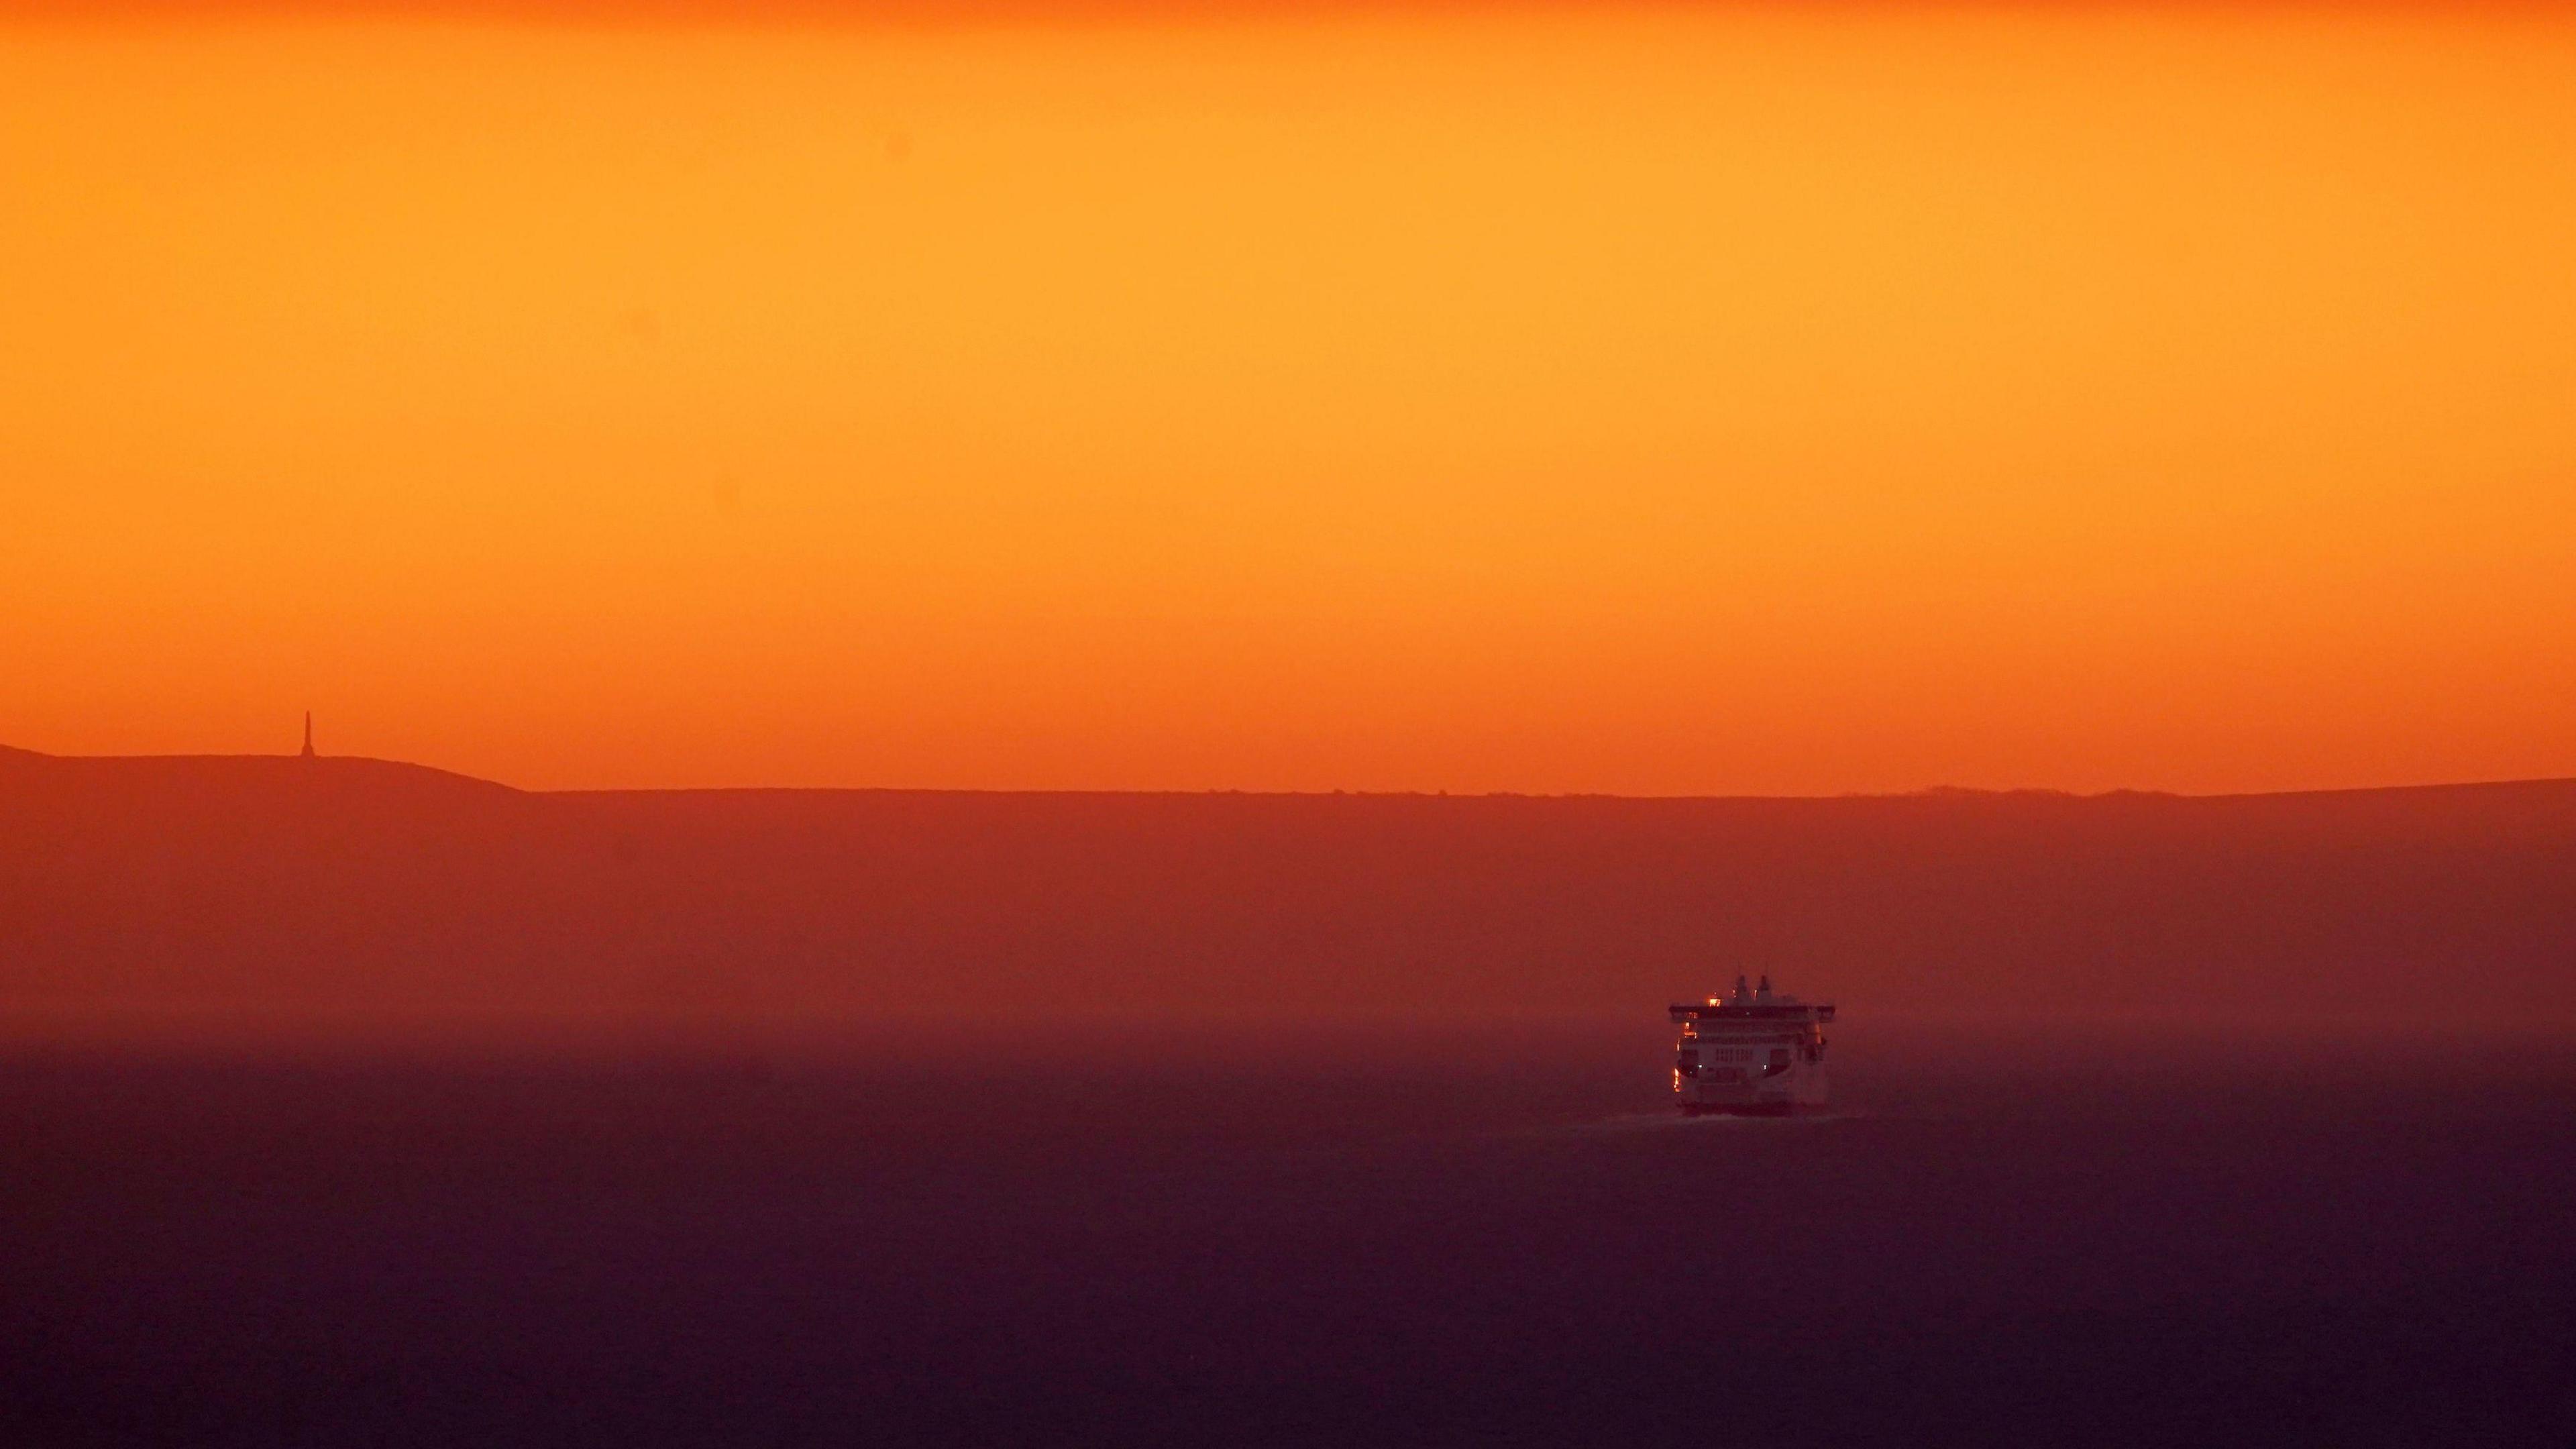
[1918, 792]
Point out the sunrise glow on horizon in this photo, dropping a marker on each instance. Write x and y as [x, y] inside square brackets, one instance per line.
[1650, 401]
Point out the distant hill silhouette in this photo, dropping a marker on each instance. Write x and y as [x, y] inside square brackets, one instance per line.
[226, 884]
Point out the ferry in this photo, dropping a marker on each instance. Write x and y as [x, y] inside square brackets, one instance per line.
[1751, 1054]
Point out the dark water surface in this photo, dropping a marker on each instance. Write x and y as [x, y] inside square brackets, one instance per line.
[1464, 1237]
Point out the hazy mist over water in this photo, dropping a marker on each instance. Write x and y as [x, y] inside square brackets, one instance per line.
[349, 1102]
[1452, 1233]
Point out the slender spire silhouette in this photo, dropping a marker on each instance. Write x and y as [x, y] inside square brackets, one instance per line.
[308, 734]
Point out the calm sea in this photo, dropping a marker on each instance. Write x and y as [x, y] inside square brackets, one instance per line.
[1470, 1235]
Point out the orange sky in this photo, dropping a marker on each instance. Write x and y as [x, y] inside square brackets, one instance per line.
[1538, 399]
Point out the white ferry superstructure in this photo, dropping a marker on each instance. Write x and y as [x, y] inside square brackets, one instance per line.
[1751, 1054]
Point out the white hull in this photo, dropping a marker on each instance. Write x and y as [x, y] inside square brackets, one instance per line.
[1751, 1054]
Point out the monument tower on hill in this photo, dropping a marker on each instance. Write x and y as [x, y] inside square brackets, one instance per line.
[308, 734]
